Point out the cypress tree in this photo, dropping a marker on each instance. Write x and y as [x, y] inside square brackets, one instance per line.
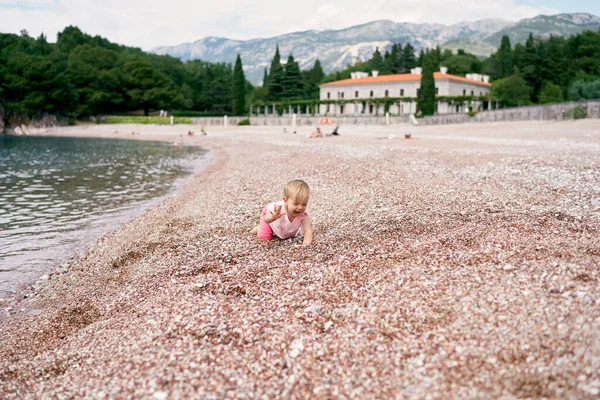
[315, 76]
[376, 62]
[554, 66]
[408, 57]
[530, 65]
[505, 58]
[421, 58]
[265, 81]
[275, 81]
[238, 89]
[426, 98]
[292, 80]
[276, 61]
[397, 57]
[388, 64]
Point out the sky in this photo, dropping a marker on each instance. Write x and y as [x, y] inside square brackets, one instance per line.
[151, 23]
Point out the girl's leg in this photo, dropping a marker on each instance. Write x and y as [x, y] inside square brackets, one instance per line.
[264, 231]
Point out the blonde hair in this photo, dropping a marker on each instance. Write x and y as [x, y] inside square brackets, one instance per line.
[296, 189]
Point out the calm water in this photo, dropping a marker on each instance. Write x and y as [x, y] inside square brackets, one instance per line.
[57, 195]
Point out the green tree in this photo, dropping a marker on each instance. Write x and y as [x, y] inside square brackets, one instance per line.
[446, 55]
[95, 73]
[505, 59]
[276, 77]
[582, 90]
[397, 59]
[211, 85]
[376, 62]
[265, 78]
[511, 91]
[530, 65]
[426, 96]
[312, 80]
[238, 89]
[408, 58]
[462, 64]
[293, 87]
[149, 88]
[583, 53]
[554, 67]
[551, 93]
[421, 58]
[388, 64]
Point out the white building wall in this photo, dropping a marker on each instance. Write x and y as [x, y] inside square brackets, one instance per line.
[464, 89]
[446, 87]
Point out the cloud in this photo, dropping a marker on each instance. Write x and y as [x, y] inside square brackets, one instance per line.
[149, 23]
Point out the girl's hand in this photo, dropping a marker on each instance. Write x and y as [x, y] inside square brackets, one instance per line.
[277, 213]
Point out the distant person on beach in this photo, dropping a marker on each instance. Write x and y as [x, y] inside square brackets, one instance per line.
[288, 218]
[316, 134]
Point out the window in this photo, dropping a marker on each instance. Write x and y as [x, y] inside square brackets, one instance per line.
[437, 91]
[481, 93]
[472, 93]
[328, 95]
[464, 92]
[371, 108]
[387, 93]
[401, 92]
[371, 93]
[342, 95]
[356, 94]
[327, 107]
[341, 109]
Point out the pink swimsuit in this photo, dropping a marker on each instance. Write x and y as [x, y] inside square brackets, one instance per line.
[282, 227]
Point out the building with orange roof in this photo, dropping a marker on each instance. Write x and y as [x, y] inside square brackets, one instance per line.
[362, 94]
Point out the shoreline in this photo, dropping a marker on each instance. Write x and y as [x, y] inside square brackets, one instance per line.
[469, 244]
[28, 287]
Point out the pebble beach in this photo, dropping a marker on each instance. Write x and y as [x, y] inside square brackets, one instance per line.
[463, 262]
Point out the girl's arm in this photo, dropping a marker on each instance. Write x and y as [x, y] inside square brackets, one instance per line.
[308, 231]
[274, 214]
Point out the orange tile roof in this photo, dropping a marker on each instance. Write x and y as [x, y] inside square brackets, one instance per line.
[402, 78]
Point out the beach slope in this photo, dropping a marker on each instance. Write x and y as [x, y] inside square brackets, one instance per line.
[463, 263]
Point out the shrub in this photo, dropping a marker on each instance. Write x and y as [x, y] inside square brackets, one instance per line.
[581, 90]
[551, 93]
[244, 122]
[579, 112]
[511, 91]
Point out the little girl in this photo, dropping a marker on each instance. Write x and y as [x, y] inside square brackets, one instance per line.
[288, 218]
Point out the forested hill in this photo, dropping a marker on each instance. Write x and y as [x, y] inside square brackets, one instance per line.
[82, 75]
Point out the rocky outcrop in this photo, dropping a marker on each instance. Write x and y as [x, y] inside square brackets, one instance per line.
[47, 121]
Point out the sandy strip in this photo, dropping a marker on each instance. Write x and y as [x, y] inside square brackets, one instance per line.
[463, 263]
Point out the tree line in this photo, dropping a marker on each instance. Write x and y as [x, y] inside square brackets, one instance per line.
[82, 75]
[546, 70]
[288, 82]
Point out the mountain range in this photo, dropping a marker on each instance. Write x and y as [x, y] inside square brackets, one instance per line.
[338, 48]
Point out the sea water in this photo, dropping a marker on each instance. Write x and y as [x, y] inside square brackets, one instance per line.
[59, 194]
